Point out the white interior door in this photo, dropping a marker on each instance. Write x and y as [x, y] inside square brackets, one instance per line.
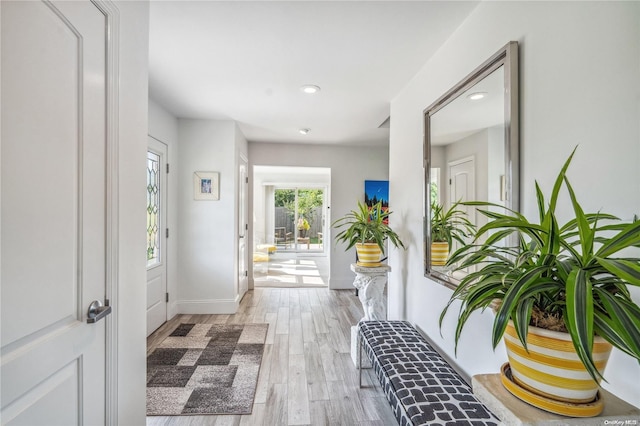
[157, 296]
[243, 226]
[55, 258]
[462, 184]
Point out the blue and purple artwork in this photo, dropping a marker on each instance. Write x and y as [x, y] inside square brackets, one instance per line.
[376, 191]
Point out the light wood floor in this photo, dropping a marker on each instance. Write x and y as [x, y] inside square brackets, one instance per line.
[292, 270]
[307, 376]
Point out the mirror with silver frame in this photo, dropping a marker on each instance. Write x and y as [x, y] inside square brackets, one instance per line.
[471, 153]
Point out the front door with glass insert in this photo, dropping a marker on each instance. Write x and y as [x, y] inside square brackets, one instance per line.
[156, 235]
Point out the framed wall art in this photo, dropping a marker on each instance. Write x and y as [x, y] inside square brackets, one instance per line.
[206, 186]
[377, 191]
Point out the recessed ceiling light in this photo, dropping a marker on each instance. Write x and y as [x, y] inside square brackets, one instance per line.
[310, 89]
[304, 131]
[477, 96]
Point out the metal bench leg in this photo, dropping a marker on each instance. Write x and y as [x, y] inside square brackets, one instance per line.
[359, 357]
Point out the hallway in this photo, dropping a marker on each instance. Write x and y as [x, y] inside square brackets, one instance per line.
[307, 376]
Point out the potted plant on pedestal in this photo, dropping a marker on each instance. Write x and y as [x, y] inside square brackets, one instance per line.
[448, 226]
[564, 284]
[303, 227]
[367, 230]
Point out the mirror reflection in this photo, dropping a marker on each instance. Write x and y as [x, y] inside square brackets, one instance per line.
[470, 157]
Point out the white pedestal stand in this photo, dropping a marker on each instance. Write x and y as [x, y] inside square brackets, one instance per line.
[370, 282]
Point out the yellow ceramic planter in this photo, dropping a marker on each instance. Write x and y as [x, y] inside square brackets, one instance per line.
[439, 253]
[368, 254]
[551, 367]
[588, 409]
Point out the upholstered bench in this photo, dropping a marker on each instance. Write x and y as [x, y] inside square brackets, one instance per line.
[422, 388]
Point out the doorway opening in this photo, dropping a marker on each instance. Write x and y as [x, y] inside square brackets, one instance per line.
[290, 220]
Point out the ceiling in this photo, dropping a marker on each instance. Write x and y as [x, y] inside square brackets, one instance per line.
[246, 61]
[463, 116]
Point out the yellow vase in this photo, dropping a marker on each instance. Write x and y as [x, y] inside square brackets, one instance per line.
[368, 254]
[439, 253]
[551, 367]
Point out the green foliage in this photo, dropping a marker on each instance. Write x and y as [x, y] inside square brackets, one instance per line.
[285, 197]
[567, 270]
[308, 201]
[449, 225]
[366, 225]
[433, 190]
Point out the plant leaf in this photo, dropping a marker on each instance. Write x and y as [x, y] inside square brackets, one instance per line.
[522, 320]
[584, 230]
[540, 201]
[579, 318]
[628, 236]
[612, 332]
[510, 299]
[556, 187]
[625, 316]
[625, 269]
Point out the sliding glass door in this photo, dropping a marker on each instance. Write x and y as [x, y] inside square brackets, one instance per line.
[299, 219]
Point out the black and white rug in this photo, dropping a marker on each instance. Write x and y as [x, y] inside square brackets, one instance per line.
[205, 369]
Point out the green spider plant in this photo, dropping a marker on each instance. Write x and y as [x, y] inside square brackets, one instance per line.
[451, 224]
[366, 225]
[575, 272]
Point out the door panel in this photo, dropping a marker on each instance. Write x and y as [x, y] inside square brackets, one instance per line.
[462, 188]
[41, 191]
[50, 397]
[53, 224]
[156, 235]
[156, 303]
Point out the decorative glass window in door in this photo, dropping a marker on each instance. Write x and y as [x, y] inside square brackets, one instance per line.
[153, 208]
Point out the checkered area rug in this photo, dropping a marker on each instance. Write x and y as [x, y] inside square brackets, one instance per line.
[205, 369]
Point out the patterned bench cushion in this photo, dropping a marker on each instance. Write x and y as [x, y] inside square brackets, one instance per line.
[422, 388]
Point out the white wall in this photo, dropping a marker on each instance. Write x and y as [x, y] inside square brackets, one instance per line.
[580, 84]
[163, 126]
[207, 242]
[131, 299]
[350, 167]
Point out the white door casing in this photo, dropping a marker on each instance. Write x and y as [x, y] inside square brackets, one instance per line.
[326, 232]
[243, 225]
[57, 224]
[157, 302]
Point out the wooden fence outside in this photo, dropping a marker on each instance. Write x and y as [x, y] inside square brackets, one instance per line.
[284, 219]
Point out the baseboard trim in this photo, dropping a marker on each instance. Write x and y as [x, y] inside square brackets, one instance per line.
[208, 306]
